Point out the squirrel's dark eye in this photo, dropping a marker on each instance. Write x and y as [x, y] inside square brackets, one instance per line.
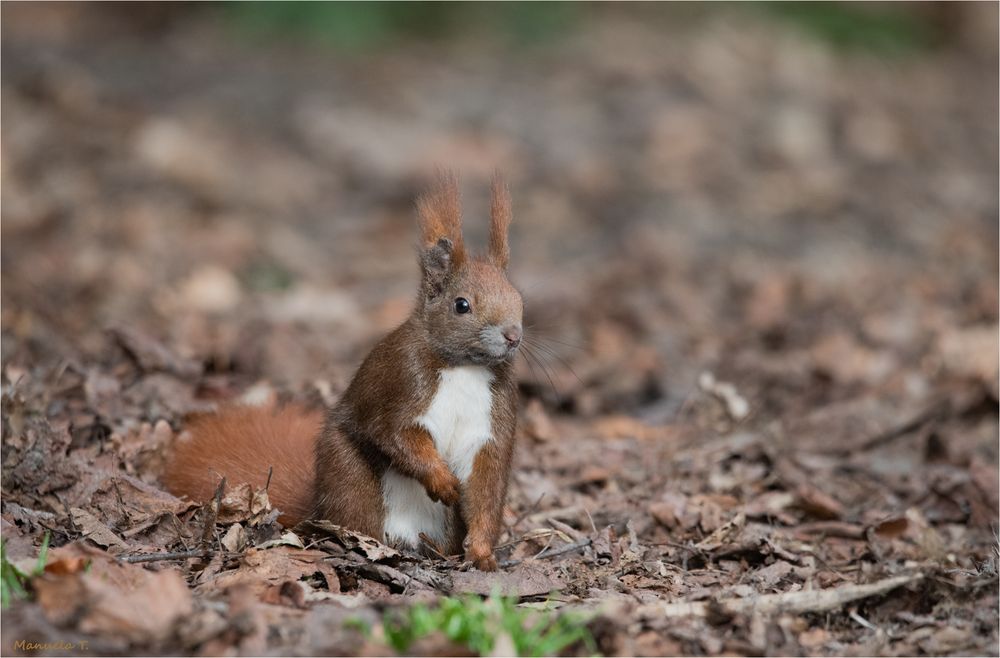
[462, 305]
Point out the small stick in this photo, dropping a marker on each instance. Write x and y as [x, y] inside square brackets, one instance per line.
[433, 546]
[829, 529]
[270, 472]
[527, 537]
[159, 557]
[694, 550]
[853, 614]
[566, 528]
[562, 550]
[802, 601]
[546, 547]
[513, 542]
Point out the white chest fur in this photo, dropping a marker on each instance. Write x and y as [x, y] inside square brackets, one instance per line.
[459, 416]
[459, 420]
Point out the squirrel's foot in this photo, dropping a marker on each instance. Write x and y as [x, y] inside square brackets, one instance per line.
[488, 563]
[480, 554]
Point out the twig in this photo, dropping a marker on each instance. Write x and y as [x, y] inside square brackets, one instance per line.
[936, 409]
[562, 550]
[546, 547]
[687, 547]
[768, 604]
[538, 533]
[566, 528]
[829, 529]
[514, 542]
[853, 614]
[387, 575]
[430, 578]
[429, 543]
[160, 557]
[689, 551]
[568, 548]
[270, 472]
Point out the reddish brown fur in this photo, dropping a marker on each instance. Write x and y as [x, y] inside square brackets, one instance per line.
[242, 443]
[500, 216]
[439, 212]
[485, 492]
[373, 425]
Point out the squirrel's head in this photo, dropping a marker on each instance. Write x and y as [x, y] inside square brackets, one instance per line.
[470, 310]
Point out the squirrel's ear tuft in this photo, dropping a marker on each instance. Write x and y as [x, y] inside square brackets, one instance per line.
[439, 212]
[500, 216]
[442, 249]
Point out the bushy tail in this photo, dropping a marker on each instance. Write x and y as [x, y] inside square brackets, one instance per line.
[242, 443]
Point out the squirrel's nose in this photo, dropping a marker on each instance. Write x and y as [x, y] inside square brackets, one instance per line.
[512, 334]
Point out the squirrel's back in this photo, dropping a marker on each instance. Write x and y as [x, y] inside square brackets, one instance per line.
[242, 443]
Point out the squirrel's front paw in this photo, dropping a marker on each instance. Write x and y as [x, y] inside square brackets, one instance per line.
[443, 486]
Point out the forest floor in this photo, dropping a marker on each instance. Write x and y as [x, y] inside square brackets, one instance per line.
[765, 418]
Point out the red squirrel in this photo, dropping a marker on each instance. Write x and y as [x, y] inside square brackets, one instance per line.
[422, 439]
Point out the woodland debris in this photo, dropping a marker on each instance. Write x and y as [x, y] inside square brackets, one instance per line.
[562, 550]
[822, 600]
[528, 579]
[94, 530]
[348, 540]
[34, 456]
[151, 355]
[161, 557]
[972, 352]
[736, 405]
[113, 598]
[537, 423]
[260, 569]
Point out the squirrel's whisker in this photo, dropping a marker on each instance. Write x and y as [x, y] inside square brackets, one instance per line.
[552, 353]
[534, 357]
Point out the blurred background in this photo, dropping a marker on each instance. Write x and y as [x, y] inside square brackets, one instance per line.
[694, 185]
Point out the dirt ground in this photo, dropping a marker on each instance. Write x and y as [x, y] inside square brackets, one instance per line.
[763, 417]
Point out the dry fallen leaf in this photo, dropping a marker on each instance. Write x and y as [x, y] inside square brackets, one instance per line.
[259, 570]
[526, 579]
[110, 597]
[244, 504]
[94, 530]
[891, 528]
[349, 540]
[286, 539]
[235, 538]
[537, 423]
[972, 352]
[818, 503]
[152, 355]
[124, 501]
